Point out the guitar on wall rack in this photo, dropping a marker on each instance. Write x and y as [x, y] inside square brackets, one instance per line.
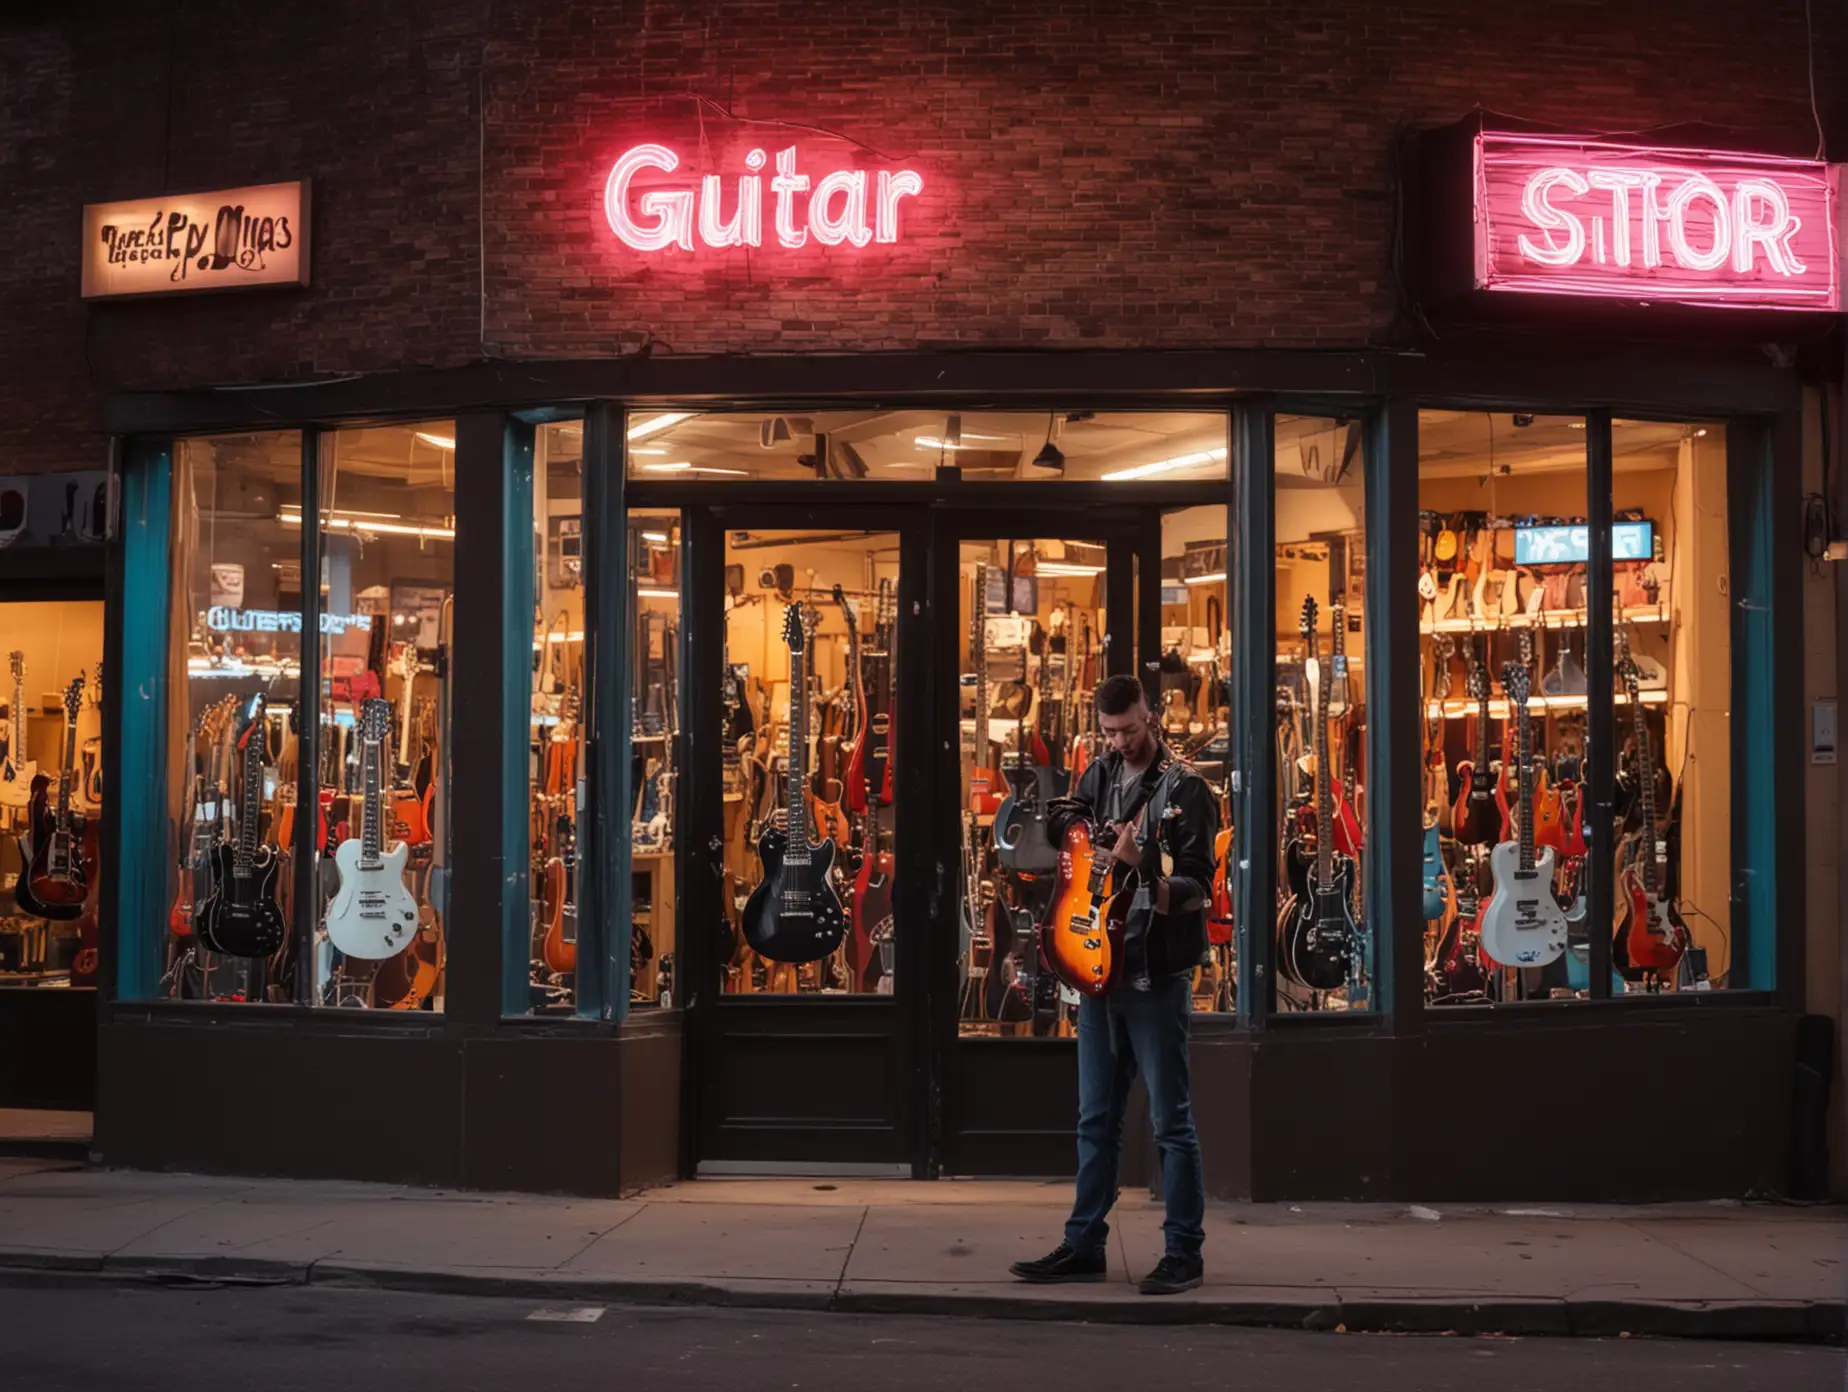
[240, 917]
[1654, 935]
[1475, 819]
[987, 787]
[56, 880]
[1318, 921]
[1349, 838]
[1021, 842]
[373, 915]
[17, 772]
[559, 895]
[1523, 924]
[795, 915]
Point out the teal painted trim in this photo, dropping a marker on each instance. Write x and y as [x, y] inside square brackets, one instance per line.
[1758, 817]
[517, 582]
[604, 862]
[147, 528]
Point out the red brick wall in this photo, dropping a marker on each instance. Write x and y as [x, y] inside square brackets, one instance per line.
[1160, 174]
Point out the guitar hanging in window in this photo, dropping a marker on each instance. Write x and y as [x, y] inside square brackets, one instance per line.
[373, 914]
[240, 917]
[795, 913]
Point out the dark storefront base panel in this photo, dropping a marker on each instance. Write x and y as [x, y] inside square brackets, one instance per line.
[586, 1113]
[1636, 1106]
[789, 1080]
[48, 1049]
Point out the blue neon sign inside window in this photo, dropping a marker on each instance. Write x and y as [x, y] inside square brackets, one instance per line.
[1566, 545]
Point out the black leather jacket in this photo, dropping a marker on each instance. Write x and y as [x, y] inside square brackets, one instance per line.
[1182, 816]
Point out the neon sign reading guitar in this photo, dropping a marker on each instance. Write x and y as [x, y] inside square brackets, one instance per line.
[851, 207]
[1562, 216]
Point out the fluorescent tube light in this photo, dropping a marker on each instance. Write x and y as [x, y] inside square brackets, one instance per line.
[1163, 466]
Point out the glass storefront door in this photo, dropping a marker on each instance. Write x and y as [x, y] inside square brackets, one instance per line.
[801, 914]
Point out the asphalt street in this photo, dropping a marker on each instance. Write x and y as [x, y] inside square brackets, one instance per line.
[78, 1337]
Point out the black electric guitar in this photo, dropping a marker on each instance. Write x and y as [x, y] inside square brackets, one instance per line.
[1318, 929]
[1475, 818]
[241, 916]
[795, 913]
[1021, 842]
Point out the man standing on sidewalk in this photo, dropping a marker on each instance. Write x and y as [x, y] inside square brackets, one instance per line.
[1143, 803]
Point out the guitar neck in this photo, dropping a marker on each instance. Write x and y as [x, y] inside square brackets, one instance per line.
[1646, 778]
[798, 754]
[1526, 771]
[253, 800]
[372, 838]
[1324, 795]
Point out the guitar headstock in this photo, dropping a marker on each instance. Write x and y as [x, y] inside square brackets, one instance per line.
[96, 689]
[73, 697]
[840, 598]
[256, 728]
[375, 720]
[795, 635]
[1337, 623]
[1306, 625]
[1627, 668]
[18, 661]
[1478, 680]
[1514, 682]
[407, 661]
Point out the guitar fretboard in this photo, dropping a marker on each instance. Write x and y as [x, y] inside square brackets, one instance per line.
[794, 805]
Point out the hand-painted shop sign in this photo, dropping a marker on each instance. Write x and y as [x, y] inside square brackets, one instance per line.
[233, 239]
[842, 207]
[1559, 216]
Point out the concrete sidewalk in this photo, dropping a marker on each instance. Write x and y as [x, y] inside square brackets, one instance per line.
[898, 1247]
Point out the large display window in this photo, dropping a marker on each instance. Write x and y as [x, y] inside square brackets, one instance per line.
[1508, 610]
[1324, 924]
[51, 793]
[373, 688]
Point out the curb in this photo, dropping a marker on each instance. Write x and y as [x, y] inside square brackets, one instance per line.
[1781, 1321]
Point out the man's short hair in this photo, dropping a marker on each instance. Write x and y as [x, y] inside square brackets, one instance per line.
[1118, 694]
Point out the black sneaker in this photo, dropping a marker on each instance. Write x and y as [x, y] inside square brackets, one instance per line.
[1173, 1274]
[1063, 1264]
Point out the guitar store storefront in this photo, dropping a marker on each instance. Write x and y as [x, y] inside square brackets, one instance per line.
[573, 772]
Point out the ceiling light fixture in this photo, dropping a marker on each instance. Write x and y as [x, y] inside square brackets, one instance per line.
[654, 425]
[655, 536]
[946, 442]
[1217, 577]
[442, 442]
[1068, 568]
[1163, 466]
[1050, 456]
[370, 523]
[649, 450]
[684, 467]
[658, 594]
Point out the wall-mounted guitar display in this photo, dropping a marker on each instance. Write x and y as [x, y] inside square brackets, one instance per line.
[51, 795]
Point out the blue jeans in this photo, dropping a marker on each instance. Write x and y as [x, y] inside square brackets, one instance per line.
[1125, 1032]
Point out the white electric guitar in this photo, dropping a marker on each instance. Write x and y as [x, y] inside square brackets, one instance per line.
[17, 771]
[1523, 925]
[373, 915]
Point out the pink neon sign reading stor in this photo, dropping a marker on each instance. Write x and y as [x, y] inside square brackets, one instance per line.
[1557, 216]
[848, 207]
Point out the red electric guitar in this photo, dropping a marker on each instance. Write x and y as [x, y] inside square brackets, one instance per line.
[1654, 933]
[1349, 838]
